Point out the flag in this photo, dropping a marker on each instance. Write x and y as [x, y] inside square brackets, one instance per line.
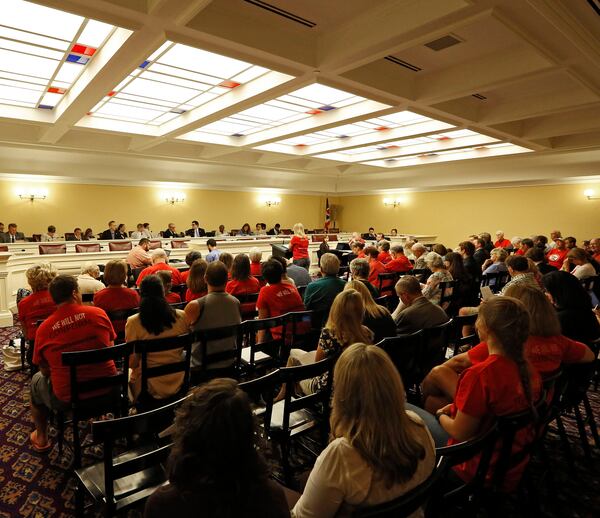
[327, 215]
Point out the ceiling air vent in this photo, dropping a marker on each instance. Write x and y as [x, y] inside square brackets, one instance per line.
[404, 64]
[444, 42]
[282, 12]
[595, 5]
[480, 97]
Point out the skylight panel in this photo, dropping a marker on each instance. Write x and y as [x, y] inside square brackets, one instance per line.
[95, 33]
[197, 60]
[155, 90]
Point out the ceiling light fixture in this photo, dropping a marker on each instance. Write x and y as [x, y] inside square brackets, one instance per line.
[590, 194]
[32, 194]
[272, 201]
[173, 197]
[393, 202]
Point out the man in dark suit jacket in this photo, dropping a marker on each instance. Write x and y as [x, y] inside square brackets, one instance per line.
[195, 231]
[414, 311]
[481, 254]
[12, 236]
[170, 232]
[275, 231]
[110, 232]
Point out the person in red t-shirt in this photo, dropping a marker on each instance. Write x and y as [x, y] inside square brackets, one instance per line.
[399, 263]
[375, 266]
[159, 262]
[501, 241]
[255, 256]
[556, 257]
[384, 256]
[116, 296]
[72, 327]
[165, 277]
[39, 305]
[196, 283]
[358, 249]
[276, 298]
[595, 248]
[242, 283]
[299, 247]
[189, 260]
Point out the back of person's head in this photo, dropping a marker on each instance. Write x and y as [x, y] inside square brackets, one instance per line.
[166, 277]
[345, 318]
[433, 260]
[39, 276]
[517, 263]
[579, 254]
[227, 259]
[536, 254]
[371, 307]
[255, 255]
[418, 247]
[240, 270]
[330, 264]
[397, 249]
[480, 242]
[281, 260]
[211, 242]
[215, 446]
[359, 245]
[541, 241]
[486, 236]
[196, 281]
[566, 291]
[408, 284]
[366, 381]
[51, 228]
[191, 256]
[384, 245]
[500, 254]
[507, 320]
[359, 268]
[439, 249]
[62, 288]
[456, 267]
[527, 242]
[156, 315]
[216, 274]
[144, 241]
[272, 271]
[299, 229]
[467, 247]
[159, 255]
[115, 272]
[543, 318]
[91, 269]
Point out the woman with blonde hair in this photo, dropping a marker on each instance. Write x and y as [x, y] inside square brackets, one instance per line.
[196, 283]
[377, 318]
[432, 290]
[343, 328]
[39, 304]
[299, 247]
[369, 460]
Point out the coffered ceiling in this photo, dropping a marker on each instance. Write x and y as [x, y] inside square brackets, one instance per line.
[341, 96]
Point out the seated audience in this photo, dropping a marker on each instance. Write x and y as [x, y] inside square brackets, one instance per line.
[468, 289]
[221, 232]
[375, 266]
[215, 464]
[159, 262]
[213, 251]
[287, 279]
[515, 243]
[298, 274]
[190, 257]
[72, 327]
[358, 249]
[466, 250]
[368, 461]
[526, 245]
[276, 298]
[39, 305]
[324, 246]
[156, 319]
[50, 235]
[414, 311]
[377, 318]
[481, 255]
[384, 256]
[216, 309]
[110, 232]
[139, 255]
[171, 231]
[399, 262]
[583, 267]
[570, 242]
[573, 306]
[495, 264]
[518, 268]
[432, 290]
[227, 259]
[595, 248]
[440, 249]
[122, 232]
[343, 328]
[88, 279]
[245, 230]
[359, 270]
[319, 294]
[487, 239]
[299, 247]
[418, 251]
[556, 257]
[501, 241]
[116, 296]
[255, 256]
[166, 277]
[196, 282]
[355, 238]
[536, 254]
[242, 282]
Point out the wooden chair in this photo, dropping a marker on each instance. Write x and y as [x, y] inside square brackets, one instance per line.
[179, 243]
[48, 249]
[3, 248]
[119, 246]
[154, 244]
[86, 248]
[433, 352]
[303, 329]
[247, 305]
[217, 361]
[500, 279]
[449, 293]
[118, 316]
[255, 354]
[387, 282]
[403, 350]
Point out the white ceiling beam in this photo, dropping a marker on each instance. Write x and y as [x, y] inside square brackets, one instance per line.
[569, 123]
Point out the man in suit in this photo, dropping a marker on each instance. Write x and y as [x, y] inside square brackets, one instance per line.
[170, 232]
[110, 232]
[481, 254]
[275, 230]
[195, 231]
[414, 311]
[12, 236]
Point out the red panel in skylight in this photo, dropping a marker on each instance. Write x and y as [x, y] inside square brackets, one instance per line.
[229, 84]
[83, 49]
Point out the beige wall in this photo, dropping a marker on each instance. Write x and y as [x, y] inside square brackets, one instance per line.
[453, 215]
[70, 205]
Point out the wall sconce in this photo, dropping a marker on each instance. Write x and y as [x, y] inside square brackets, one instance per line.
[590, 194]
[173, 197]
[272, 201]
[393, 202]
[32, 194]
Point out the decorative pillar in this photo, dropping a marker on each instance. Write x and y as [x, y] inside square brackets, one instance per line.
[6, 316]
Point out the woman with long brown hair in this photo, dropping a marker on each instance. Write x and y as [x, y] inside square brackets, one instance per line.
[196, 283]
[370, 459]
[377, 318]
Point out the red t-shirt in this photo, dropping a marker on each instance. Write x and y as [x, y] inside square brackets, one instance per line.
[175, 279]
[34, 307]
[255, 268]
[299, 247]
[250, 285]
[184, 276]
[400, 264]
[557, 257]
[597, 257]
[384, 257]
[279, 299]
[505, 243]
[493, 388]
[519, 252]
[73, 327]
[545, 353]
[190, 295]
[113, 299]
[375, 269]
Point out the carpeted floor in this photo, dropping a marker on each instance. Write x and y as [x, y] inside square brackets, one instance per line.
[40, 485]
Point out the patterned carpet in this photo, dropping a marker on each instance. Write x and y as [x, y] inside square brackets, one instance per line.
[40, 485]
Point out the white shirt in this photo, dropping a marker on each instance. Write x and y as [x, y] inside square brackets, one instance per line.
[87, 284]
[582, 271]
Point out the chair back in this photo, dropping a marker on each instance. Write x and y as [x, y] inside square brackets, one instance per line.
[403, 350]
[389, 301]
[247, 305]
[448, 292]
[87, 298]
[119, 246]
[212, 356]
[408, 503]
[303, 329]
[48, 249]
[433, 352]
[135, 272]
[500, 279]
[180, 289]
[179, 243]
[270, 346]
[121, 315]
[146, 347]
[455, 334]
[86, 248]
[154, 244]
[589, 282]
[387, 282]
[3, 248]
